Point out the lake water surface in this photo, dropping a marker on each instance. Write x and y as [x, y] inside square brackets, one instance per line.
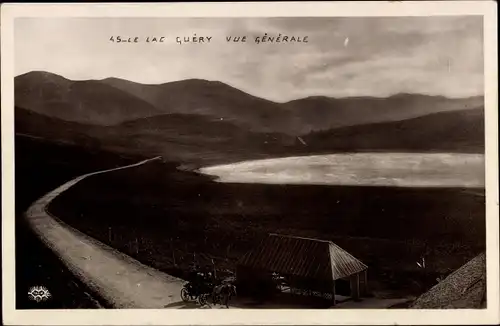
[368, 169]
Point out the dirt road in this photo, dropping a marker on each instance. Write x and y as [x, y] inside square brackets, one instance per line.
[120, 280]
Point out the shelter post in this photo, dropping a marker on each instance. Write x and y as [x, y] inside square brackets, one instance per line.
[333, 294]
[354, 280]
[365, 288]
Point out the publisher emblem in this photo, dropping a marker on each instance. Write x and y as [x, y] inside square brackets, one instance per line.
[38, 293]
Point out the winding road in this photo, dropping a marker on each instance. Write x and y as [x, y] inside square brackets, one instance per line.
[121, 281]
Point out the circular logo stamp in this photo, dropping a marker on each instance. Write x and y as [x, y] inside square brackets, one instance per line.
[39, 293]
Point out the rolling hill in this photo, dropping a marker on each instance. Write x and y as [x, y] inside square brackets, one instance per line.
[113, 101]
[198, 140]
[88, 102]
[204, 122]
[37, 125]
[455, 131]
[212, 99]
[322, 113]
[184, 138]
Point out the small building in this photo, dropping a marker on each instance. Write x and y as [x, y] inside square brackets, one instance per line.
[303, 266]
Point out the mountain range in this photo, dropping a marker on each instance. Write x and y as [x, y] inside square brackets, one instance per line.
[205, 121]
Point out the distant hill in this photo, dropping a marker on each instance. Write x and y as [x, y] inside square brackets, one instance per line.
[321, 113]
[113, 101]
[196, 140]
[89, 102]
[205, 122]
[187, 139]
[455, 131]
[195, 128]
[212, 99]
[37, 125]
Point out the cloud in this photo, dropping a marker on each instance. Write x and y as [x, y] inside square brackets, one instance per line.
[386, 55]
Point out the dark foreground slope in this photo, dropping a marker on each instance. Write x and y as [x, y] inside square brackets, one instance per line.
[41, 167]
[165, 217]
[465, 288]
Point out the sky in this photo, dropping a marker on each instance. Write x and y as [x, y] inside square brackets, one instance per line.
[344, 56]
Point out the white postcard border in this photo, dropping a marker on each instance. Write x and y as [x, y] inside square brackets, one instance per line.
[491, 315]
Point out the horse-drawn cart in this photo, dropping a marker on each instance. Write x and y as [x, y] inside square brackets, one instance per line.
[200, 289]
[197, 291]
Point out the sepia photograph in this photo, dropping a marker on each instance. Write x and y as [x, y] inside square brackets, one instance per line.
[274, 162]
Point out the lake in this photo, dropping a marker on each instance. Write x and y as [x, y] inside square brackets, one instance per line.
[366, 169]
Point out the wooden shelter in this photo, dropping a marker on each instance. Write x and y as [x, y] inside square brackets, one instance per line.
[307, 266]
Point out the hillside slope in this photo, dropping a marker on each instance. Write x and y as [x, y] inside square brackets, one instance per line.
[457, 131]
[182, 138]
[213, 99]
[322, 113]
[89, 102]
[113, 101]
[200, 140]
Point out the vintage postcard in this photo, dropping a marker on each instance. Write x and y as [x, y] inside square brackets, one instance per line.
[250, 163]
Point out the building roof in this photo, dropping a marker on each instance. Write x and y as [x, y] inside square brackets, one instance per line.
[304, 257]
[464, 288]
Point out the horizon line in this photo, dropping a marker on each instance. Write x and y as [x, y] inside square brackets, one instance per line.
[246, 92]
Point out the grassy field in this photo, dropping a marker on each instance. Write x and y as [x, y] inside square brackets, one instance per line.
[165, 218]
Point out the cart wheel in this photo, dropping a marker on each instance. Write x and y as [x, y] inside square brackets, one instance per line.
[184, 295]
[202, 299]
